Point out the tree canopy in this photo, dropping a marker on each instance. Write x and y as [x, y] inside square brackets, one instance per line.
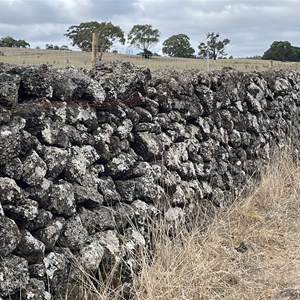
[143, 37]
[9, 41]
[214, 47]
[178, 46]
[282, 50]
[108, 34]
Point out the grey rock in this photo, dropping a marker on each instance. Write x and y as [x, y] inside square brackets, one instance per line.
[73, 234]
[57, 266]
[34, 169]
[25, 210]
[90, 256]
[99, 219]
[50, 234]
[148, 190]
[9, 88]
[175, 155]
[42, 219]
[148, 127]
[121, 79]
[37, 271]
[34, 290]
[73, 83]
[87, 196]
[10, 236]
[81, 158]
[147, 145]
[61, 200]
[41, 192]
[144, 115]
[244, 246]
[282, 86]
[11, 268]
[126, 189]
[56, 160]
[10, 139]
[30, 248]
[107, 188]
[124, 215]
[9, 190]
[35, 81]
[121, 164]
[124, 129]
[14, 168]
[143, 212]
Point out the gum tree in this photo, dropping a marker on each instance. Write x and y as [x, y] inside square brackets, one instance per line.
[143, 37]
[213, 47]
[108, 35]
[178, 46]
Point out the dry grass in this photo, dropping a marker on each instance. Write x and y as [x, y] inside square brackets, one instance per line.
[59, 58]
[251, 251]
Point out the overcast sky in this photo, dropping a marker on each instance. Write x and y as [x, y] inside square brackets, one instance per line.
[251, 25]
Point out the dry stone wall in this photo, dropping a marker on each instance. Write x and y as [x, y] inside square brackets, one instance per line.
[88, 157]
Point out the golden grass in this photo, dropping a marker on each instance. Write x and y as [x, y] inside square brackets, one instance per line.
[59, 58]
[251, 252]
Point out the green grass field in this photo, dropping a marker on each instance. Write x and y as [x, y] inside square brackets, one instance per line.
[60, 58]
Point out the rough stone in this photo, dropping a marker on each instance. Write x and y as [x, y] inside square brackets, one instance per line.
[10, 139]
[30, 248]
[73, 234]
[90, 256]
[25, 210]
[13, 168]
[34, 169]
[9, 190]
[56, 160]
[120, 164]
[50, 234]
[34, 290]
[57, 266]
[147, 145]
[99, 219]
[107, 188]
[87, 196]
[81, 158]
[9, 88]
[14, 275]
[10, 236]
[61, 200]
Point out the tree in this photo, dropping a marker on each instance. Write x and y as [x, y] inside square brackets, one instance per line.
[214, 47]
[108, 34]
[178, 45]
[143, 37]
[49, 46]
[64, 47]
[282, 50]
[9, 41]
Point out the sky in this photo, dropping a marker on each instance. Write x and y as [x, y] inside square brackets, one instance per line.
[251, 25]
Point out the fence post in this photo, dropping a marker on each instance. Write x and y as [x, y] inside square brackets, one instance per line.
[271, 64]
[94, 48]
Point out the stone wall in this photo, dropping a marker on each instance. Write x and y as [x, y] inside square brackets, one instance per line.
[88, 157]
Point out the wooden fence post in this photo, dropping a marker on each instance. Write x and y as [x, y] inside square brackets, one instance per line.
[95, 48]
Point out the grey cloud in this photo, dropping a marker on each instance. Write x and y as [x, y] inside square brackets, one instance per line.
[251, 25]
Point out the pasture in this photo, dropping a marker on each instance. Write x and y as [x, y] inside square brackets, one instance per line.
[62, 58]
